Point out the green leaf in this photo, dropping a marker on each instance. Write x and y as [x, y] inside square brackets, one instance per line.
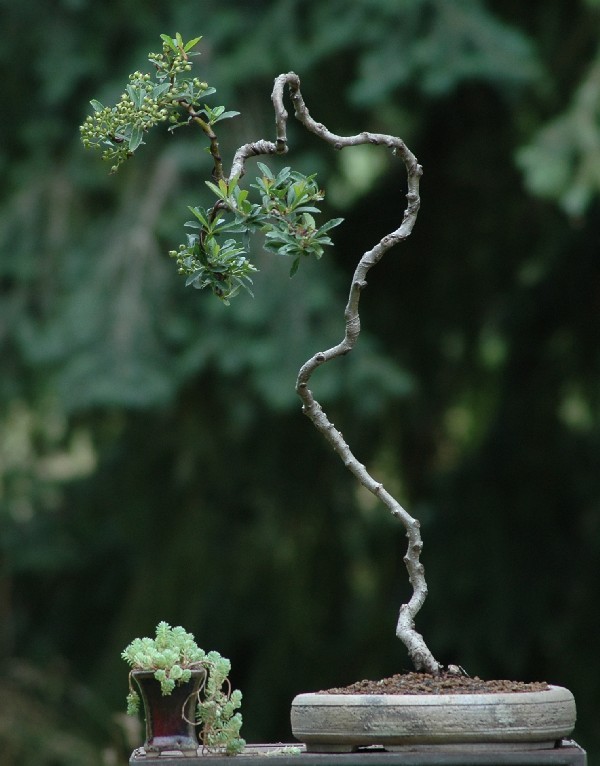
[192, 280]
[135, 94]
[136, 137]
[220, 190]
[308, 220]
[291, 196]
[265, 170]
[330, 225]
[306, 209]
[96, 105]
[170, 42]
[225, 116]
[294, 267]
[160, 89]
[284, 174]
[189, 45]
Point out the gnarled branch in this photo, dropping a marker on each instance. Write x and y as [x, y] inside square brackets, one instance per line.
[417, 648]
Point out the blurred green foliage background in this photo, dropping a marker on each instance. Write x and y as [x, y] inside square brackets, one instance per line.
[154, 463]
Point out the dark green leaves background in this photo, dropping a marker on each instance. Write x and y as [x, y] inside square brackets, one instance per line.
[154, 463]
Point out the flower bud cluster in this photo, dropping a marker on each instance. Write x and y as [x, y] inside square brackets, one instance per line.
[111, 128]
[147, 101]
[169, 63]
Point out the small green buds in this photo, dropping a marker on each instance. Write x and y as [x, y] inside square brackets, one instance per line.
[148, 99]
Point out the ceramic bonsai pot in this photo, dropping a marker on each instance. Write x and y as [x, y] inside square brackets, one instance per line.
[169, 718]
[327, 722]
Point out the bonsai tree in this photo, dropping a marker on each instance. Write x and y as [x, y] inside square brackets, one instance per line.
[172, 656]
[282, 206]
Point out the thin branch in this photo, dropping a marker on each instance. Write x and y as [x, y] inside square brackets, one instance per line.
[214, 143]
[253, 149]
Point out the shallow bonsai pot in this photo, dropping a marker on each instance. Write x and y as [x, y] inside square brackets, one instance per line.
[506, 720]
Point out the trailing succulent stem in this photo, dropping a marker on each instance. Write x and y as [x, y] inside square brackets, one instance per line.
[215, 254]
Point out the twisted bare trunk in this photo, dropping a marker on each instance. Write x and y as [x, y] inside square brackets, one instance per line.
[418, 651]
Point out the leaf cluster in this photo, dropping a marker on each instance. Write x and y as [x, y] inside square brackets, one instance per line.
[284, 215]
[172, 655]
[287, 203]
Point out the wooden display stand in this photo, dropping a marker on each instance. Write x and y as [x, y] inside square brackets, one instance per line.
[567, 754]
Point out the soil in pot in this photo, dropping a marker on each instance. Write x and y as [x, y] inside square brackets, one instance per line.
[445, 683]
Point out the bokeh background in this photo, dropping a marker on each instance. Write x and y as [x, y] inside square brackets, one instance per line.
[154, 463]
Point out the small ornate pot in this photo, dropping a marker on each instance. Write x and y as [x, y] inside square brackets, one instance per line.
[166, 724]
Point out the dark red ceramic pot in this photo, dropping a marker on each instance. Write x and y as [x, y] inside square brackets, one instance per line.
[166, 724]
